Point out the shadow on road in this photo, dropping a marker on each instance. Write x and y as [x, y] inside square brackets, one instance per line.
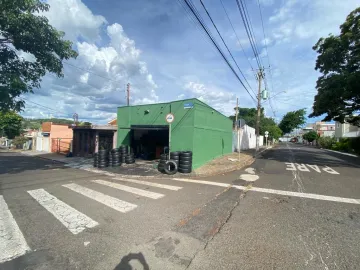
[13, 163]
[309, 155]
[125, 262]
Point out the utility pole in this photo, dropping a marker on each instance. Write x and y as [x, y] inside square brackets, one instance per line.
[237, 126]
[260, 76]
[128, 94]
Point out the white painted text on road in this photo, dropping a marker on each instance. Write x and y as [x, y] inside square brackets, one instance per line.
[305, 168]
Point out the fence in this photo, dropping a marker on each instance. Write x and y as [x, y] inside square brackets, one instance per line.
[61, 145]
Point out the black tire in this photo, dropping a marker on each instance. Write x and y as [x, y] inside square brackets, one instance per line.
[180, 170]
[186, 154]
[186, 158]
[170, 167]
[185, 162]
[102, 151]
[130, 161]
[102, 166]
[186, 167]
[164, 156]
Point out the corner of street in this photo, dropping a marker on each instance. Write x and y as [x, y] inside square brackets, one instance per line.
[295, 207]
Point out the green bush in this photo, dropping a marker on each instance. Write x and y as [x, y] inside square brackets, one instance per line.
[326, 142]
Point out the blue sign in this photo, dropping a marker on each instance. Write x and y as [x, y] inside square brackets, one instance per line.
[188, 105]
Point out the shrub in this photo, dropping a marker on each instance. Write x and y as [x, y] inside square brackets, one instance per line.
[326, 142]
[19, 141]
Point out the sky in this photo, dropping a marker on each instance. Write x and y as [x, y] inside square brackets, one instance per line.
[159, 49]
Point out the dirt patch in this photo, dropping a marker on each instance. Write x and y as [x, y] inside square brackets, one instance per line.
[224, 164]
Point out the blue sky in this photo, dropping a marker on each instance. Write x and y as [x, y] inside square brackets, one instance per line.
[165, 56]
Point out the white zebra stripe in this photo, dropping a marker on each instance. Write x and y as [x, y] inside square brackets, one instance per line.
[71, 218]
[137, 191]
[146, 183]
[112, 202]
[12, 241]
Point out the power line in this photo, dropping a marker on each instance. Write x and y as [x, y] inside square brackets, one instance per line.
[83, 69]
[232, 26]
[46, 107]
[247, 29]
[226, 45]
[199, 19]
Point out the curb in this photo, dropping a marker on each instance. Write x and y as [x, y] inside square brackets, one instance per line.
[244, 163]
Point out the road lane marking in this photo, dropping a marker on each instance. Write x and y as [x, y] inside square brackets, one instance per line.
[201, 182]
[302, 195]
[107, 200]
[330, 170]
[302, 167]
[137, 191]
[314, 167]
[12, 241]
[274, 191]
[148, 183]
[71, 218]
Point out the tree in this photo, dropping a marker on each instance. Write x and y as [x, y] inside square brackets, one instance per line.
[292, 120]
[10, 124]
[249, 115]
[310, 136]
[274, 132]
[339, 61]
[22, 28]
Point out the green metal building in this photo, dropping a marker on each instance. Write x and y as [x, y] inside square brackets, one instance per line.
[196, 127]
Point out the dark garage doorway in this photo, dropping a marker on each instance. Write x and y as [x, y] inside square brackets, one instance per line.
[149, 141]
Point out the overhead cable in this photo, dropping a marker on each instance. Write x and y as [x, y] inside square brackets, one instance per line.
[199, 19]
[217, 30]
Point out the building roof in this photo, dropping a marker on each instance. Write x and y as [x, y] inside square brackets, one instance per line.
[96, 127]
[188, 99]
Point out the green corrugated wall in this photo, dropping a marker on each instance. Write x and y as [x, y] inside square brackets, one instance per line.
[200, 129]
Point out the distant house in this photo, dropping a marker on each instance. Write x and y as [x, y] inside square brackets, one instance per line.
[346, 130]
[54, 138]
[113, 122]
[90, 139]
[323, 129]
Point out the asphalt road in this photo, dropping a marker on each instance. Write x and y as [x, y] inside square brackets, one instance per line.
[268, 230]
[296, 207]
[54, 236]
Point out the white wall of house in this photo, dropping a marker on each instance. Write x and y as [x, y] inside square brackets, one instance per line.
[247, 138]
[346, 130]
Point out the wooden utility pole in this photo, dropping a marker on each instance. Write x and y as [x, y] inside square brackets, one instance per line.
[128, 94]
[259, 77]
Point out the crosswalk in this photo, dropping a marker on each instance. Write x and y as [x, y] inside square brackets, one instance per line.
[12, 241]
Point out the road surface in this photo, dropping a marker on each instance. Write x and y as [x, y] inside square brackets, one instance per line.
[296, 207]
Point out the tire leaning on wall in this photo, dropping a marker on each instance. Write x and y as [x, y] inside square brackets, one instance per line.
[170, 167]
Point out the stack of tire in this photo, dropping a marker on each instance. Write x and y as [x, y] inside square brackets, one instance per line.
[103, 159]
[129, 159]
[169, 166]
[96, 159]
[161, 165]
[114, 158]
[122, 153]
[185, 163]
[175, 156]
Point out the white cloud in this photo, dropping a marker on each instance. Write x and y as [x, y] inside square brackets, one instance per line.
[75, 19]
[221, 100]
[97, 87]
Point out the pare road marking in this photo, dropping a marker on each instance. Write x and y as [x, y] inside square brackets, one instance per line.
[305, 168]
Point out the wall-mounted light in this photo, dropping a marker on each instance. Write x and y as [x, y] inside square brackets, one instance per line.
[147, 111]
